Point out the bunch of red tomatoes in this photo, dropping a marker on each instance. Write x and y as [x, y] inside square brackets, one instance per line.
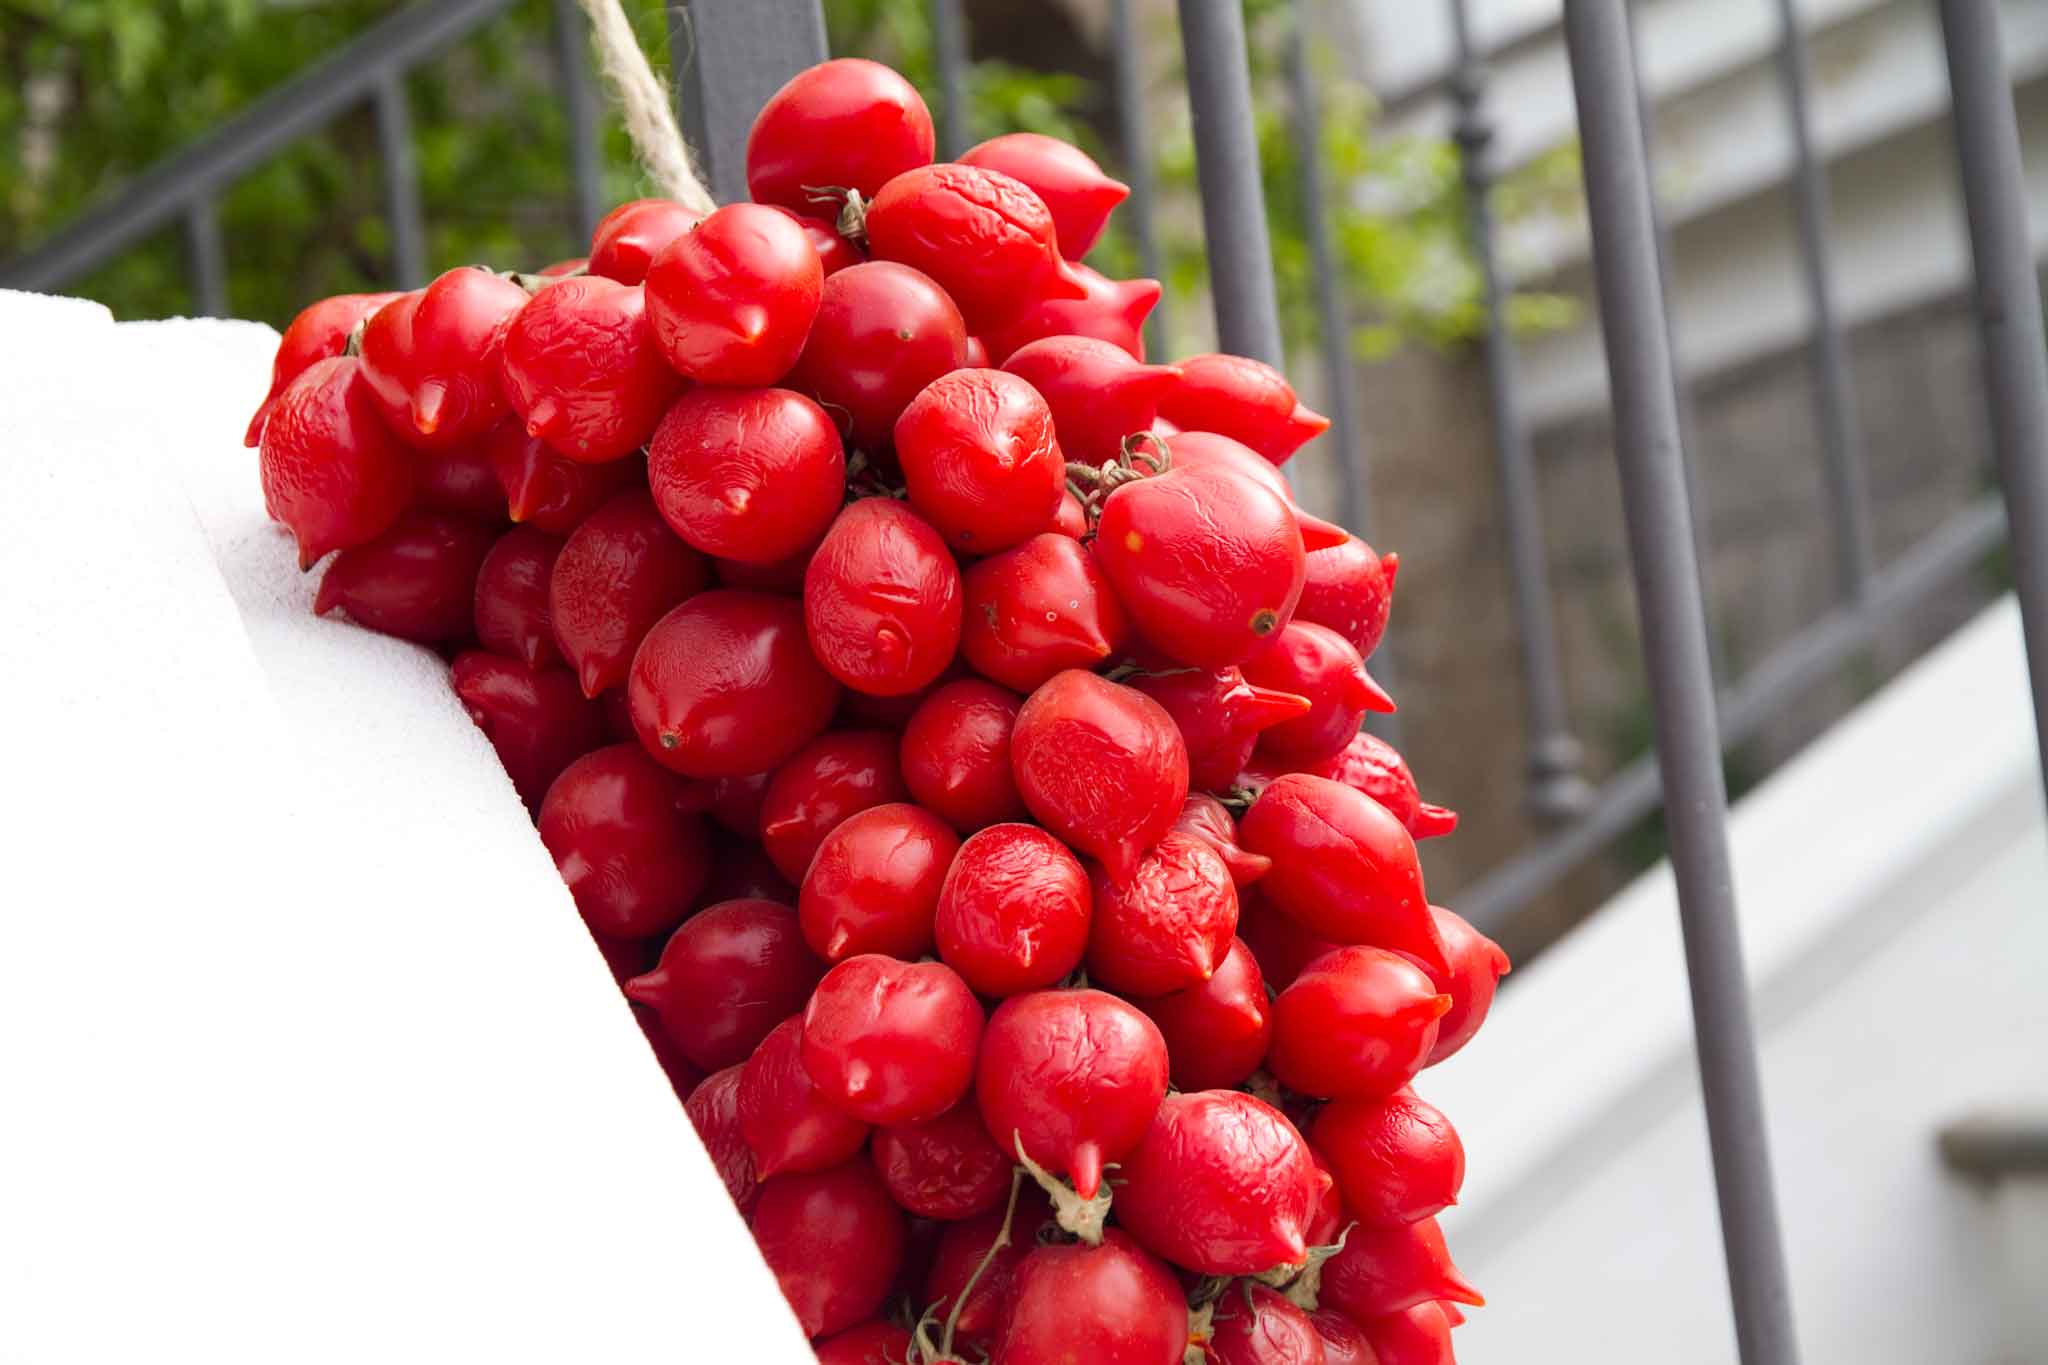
[948, 726]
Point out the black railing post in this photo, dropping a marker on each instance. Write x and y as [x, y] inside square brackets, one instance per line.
[728, 59]
[401, 180]
[579, 117]
[1127, 49]
[207, 255]
[949, 50]
[1641, 374]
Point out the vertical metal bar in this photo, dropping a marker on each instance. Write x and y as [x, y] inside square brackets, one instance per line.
[1618, 199]
[729, 56]
[1841, 436]
[401, 181]
[1125, 46]
[949, 47]
[207, 256]
[579, 115]
[2008, 311]
[1227, 167]
[1557, 791]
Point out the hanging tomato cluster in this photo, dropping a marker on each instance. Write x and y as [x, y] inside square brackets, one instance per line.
[948, 726]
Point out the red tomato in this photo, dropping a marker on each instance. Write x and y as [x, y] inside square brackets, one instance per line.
[1097, 392]
[1344, 1341]
[319, 332]
[1108, 1305]
[1315, 662]
[1220, 715]
[846, 122]
[618, 573]
[1101, 766]
[714, 1110]
[871, 1343]
[835, 253]
[1342, 866]
[789, 1125]
[1350, 589]
[1396, 1158]
[461, 480]
[726, 978]
[984, 236]
[545, 488]
[838, 774]
[1221, 1184]
[834, 1240]
[884, 331]
[1330, 1218]
[1244, 399]
[417, 581]
[1357, 1022]
[568, 265]
[1209, 564]
[891, 1042]
[1282, 946]
[1073, 517]
[882, 600]
[1216, 1032]
[1477, 965]
[1386, 1268]
[956, 755]
[1166, 926]
[623, 833]
[1039, 608]
[741, 871]
[1113, 310]
[731, 300]
[736, 804]
[1258, 1326]
[1013, 912]
[1207, 450]
[510, 609]
[945, 1167]
[580, 366]
[724, 685]
[535, 718]
[1418, 1335]
[629, 237]
[980, 460]
[752, 475]
[431, 357]
[1373, 766]
[874, 885]
[1075, 190]
[963, 1247]
[330, 470]
[1205, 817]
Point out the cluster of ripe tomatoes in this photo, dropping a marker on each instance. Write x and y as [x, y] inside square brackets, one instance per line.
[948, 726]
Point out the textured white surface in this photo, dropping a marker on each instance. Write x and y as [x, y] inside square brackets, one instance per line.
[304, 1052]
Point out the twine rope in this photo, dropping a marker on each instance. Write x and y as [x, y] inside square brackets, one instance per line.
[644, 102]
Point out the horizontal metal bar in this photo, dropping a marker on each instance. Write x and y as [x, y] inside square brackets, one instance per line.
[1807, 658]
[298, 107]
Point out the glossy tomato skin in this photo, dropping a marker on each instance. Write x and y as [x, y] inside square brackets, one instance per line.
[1074, 1077]
[1244, 399]
[431, 357]
[834, 1240]
[330, 470]
[510, 605]
[624, 835]
[1350, 589]
[946, 1167]
[1221, 1184]
[789, 1125]
[546, 489]
[984, 236]
[1073, 517]
[884, 331]
[461, 481]
[1358, 1022]
[955, 755]
[1258, 1326]
[1112, 1304]
[581, 369]
[835, 253]
[963, 1246]
[980, 459]
[891, 1042]
[1013, 911]
[736, 804]
[753, 475]
[1037, 609]
[882, 600]
[1397, 1159]
[869, 1343]
[1113, 310]
[1097, 393]
[741, 871]
[1477, 965]
[417, 581]
[1390, 1267]
[618, 573]
[875, 882]
[846, 122]
[535, 718]
[1221, 716]
[1343, 866]
[1373, 766]
[1216, 1031]
[319, 332]
[629, 237]
[1076, 192]
[836, 775]
[1344, 1341]
[714, 1112]
[1101, 766]
[731, 300]
[1166, 926]
[1282, 946]
[1207, 450]
[1417, 1335]
[724, 685]
[1205, 817]
[728, 976]
[1316, 662]
[1208, 563]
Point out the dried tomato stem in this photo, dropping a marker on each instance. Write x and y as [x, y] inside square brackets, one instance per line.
[1084, 1218]
[1002, 1240]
